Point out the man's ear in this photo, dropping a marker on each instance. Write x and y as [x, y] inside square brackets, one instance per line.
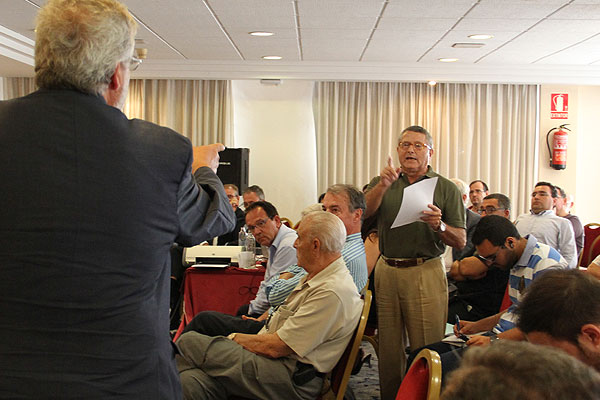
[591, 334]
[358, 214]
[277, 221]
[112, 94]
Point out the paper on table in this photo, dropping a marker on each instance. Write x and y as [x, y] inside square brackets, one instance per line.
[414, 202]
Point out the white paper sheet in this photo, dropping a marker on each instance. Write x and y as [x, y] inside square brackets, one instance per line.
[414, 202]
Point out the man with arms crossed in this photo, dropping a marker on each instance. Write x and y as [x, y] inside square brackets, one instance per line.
[546, 226]
[302, 340]
[91, 204]
[410, 279]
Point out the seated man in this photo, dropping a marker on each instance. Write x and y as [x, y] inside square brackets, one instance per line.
[546, 226]
[303, 339]
[231, 238]
[252, 194]
[513, 370]
[263, 221]
[563, 205]
[562, 309]
[478, 189]
[500, 246]
[345, 201]
[472, 219]
[479, 289]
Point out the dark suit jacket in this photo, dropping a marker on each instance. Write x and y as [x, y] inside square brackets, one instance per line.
[469, 249]
[91, 203]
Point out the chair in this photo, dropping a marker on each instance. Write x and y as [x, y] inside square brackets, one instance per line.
[287, 222]
[591, 234]
[340, 375]
[423, 381]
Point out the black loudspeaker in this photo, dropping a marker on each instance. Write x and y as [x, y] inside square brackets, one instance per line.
[233, 167]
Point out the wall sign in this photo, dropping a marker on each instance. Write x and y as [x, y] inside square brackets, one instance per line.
[559, 106]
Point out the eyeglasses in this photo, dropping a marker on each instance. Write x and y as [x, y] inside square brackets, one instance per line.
[260, 224]
[476, 191]
[134, 63]
[489, 210]
[489, 260]
[418, 146]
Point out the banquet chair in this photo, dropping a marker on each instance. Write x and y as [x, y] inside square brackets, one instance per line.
[423, 381]
[591, 234]
[340, 375]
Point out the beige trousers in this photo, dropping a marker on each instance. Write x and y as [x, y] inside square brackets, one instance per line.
[411, 301]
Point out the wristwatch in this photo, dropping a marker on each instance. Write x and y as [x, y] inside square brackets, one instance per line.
[442, 227]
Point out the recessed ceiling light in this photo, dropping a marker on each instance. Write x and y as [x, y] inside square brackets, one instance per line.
[272, 57]
[480, 37]
[448, 59]
[432, 83]
[260, 33]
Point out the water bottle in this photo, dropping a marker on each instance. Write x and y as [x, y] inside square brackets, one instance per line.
[250, 245]
[242, 238]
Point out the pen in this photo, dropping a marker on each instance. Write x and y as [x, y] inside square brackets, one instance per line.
[458, 334]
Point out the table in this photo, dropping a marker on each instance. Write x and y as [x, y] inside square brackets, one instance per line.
[218, 289]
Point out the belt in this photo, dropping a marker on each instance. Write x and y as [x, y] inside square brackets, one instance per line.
[305, 373]
[405, 262]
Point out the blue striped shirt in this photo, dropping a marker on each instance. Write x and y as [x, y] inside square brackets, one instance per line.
[536, 258]
[353, 253]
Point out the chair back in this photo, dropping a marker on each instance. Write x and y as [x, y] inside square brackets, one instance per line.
[342, 370]
[506, 301]
[423, 381]
[591, 247]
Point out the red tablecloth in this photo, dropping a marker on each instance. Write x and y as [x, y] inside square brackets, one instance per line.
[219, 289]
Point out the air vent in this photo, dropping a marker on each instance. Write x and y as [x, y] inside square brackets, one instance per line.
[468, 45]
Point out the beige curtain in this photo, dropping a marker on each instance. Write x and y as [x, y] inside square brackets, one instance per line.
[17, 87]
[199, 110]
[480, 131]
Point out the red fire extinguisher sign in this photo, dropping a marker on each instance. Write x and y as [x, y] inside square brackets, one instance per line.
[559, 106]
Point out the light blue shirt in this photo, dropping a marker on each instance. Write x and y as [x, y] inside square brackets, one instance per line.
[281, 254]
[550, 229]
[353, 254]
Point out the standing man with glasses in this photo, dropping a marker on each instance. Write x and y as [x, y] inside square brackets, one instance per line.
[543, 223]
[91, 204]
[477, 191]
[410, 279]
[263, 222]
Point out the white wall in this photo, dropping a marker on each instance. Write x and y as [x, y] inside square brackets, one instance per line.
[276, 123]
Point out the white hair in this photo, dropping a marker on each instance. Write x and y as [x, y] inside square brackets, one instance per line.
[80, 42]
[327, 228]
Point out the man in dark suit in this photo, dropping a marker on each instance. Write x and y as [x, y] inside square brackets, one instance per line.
[91, 203]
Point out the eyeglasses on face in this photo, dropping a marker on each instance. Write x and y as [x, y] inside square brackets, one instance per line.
[418, 146]
[489, 260]
[260, 224]
[489, 210]
[476, 191]
[134, 63]
[540, 193]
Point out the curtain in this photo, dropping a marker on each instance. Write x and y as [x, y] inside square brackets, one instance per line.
[200, 110]
[480, 131]
[16, 87]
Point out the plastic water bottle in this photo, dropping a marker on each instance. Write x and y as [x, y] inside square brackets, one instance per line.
[242, 238]
[250, 245]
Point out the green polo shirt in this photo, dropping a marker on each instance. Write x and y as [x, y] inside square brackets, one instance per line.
[417, 239]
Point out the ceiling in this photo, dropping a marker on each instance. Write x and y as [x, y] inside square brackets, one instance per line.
[534, 41]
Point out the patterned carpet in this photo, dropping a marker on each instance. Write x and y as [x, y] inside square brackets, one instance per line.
[365, 385]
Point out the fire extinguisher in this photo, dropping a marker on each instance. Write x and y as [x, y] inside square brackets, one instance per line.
[558, 152]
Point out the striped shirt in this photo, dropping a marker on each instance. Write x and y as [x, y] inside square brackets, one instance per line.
[353, 254]
[536, 258]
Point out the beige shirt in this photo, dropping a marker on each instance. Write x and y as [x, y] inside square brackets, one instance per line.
[319, 317]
